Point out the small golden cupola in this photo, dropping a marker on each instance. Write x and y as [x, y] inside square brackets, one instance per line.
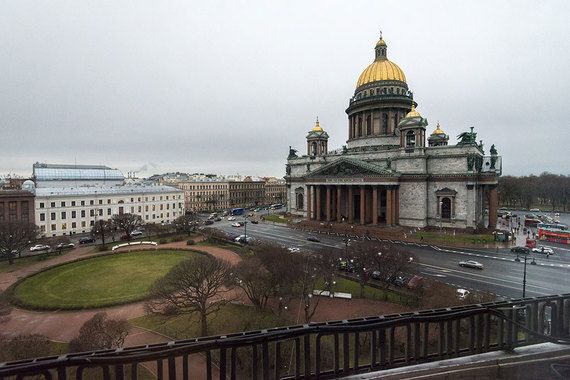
[412, 130]
[317, 141]
[438, 137]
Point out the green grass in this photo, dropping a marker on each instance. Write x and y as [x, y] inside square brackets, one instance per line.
[96, 282]
[441, 237]
[275, 218]
[230, 318]
[344, 285]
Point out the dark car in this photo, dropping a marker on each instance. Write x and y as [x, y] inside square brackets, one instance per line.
[86, 240]
[521, 250]
[313, 238]
[65, 245]
[208, 222]
[401, 281]
[255, 222]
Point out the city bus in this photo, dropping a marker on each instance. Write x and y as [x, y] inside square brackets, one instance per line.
[237, 211]
[554, 232]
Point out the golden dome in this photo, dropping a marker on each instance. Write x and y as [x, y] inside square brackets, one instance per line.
[438, 130]
[413, 112]
[381, 70]
[317, 127]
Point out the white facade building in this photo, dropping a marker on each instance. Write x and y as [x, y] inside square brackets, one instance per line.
[72, 210]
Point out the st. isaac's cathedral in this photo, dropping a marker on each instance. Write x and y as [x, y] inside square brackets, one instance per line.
[389, 172]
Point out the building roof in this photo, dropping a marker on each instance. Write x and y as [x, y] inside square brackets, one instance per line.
[15, 193]
[103, 190]
[51, 172]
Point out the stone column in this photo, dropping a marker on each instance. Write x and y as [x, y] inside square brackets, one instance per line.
[362, 204]
[493, 203]
[397, 205]
[388, 207]
[338, 203]
[394, 206]
[350, 203]
[309, 203]
[328, 204]
[318, 208]
[374, 204]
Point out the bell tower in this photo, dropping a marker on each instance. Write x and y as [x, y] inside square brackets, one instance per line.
[317, 141]
[412, 130]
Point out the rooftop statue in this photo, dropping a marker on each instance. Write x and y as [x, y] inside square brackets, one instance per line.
[493, 150]
[467, 138]
[292, 152]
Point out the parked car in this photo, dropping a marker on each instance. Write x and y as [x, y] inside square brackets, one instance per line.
[39, 247]
[208, 222]
[294, 249]
[218, 219]
[65, 245]
[471, 264]
[543, 249]
[236, 224]
[415, 282]
[376, 275]
[400, 280]
[521, 250]
[462, 293]
[231, 218]
[136, 233]
[346, 266]
[243, 239]
[255, 221]
[313, 238]
[86, 240]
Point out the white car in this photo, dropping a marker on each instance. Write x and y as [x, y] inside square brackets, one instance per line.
[462, 293]
[65, 245]
[294, 249]
[136, 233]
[236, 224]
[231, 218]
[243, 239]
[544, 250]
[39, 247]
[471, 264]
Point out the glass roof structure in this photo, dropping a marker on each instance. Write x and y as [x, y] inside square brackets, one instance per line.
[105, 190]
[45, 172]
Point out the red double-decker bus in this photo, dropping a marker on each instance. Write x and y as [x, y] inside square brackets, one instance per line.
[558, 233]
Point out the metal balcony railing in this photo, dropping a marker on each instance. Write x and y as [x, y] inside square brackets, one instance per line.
[324, 350]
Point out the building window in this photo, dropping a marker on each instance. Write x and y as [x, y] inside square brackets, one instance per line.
[64, 226]
[73, 214]
[121, 210]
[83, 224]
[73, 203]
[92, 212]
[384, 123]
[52, 204]
[63, 215]
[82, 203]
[91, 202]
[73, 225]
[42, 205]
[52, 216]
[410, 139]
[108, 211]
[92, 223]
[42, 217]
[100, 212]
[53, 227]
[369, 125]
[83, 214]
[108, 201]
[62, 204]
[100, 201]
[446, 208]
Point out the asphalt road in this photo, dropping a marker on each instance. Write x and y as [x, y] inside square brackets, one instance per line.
[501, 274]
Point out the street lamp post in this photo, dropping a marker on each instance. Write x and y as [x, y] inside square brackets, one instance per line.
[533, 262]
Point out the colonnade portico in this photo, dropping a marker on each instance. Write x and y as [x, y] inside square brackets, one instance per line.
[354, 203]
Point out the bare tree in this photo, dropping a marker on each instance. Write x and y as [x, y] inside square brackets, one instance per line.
[127, 223]
[391, 260]
[257, 282]
[15, 236]
[5, 305]
[186, 223]
[364, 255]
[102, 229]
[192, 286]
[100, 332]
[23, 347]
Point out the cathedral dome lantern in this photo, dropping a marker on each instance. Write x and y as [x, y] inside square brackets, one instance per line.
[317, 141]
[438, 137]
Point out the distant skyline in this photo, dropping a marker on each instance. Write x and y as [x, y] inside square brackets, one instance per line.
[226, 87]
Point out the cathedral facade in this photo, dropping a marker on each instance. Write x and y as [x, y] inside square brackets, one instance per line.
[386, 174]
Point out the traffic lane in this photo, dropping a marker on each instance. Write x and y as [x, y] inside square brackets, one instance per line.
[506, 274]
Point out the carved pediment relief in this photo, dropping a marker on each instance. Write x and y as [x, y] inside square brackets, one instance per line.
[349, 167]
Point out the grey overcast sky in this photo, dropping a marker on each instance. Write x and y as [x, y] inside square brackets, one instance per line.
[227, 86]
